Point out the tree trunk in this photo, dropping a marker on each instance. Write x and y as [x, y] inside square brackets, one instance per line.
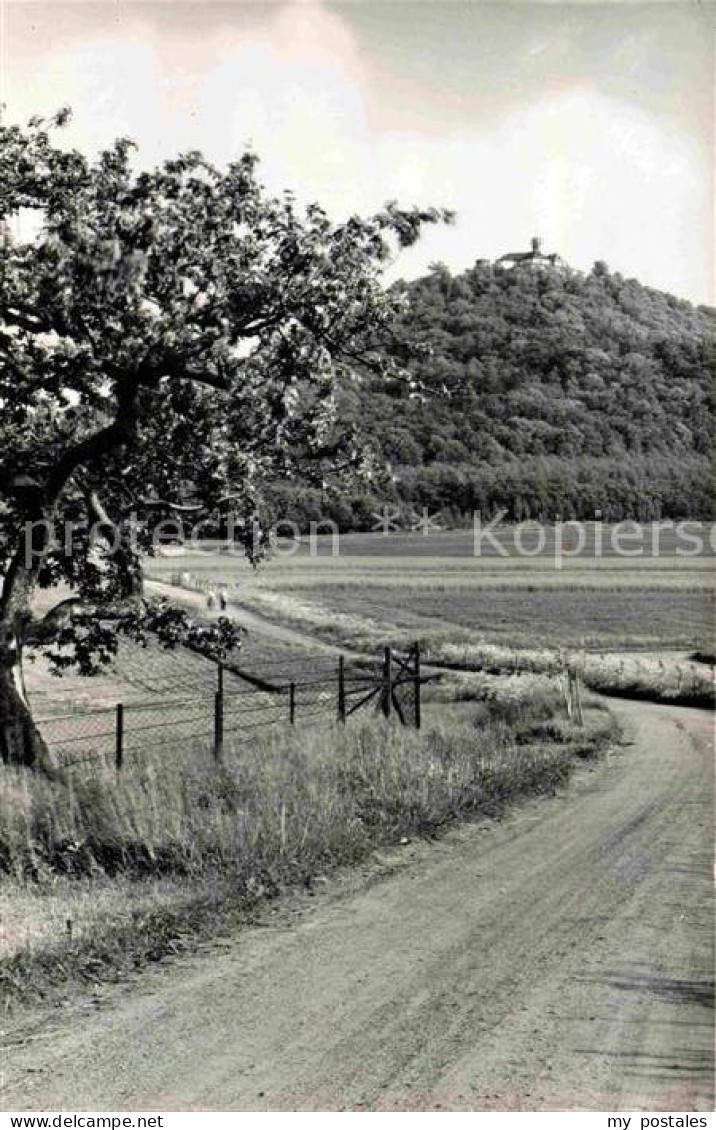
[20, 741]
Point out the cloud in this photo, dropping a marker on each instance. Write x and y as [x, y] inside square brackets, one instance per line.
[595, 175]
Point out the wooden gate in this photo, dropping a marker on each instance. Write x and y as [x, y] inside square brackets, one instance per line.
[395, 691]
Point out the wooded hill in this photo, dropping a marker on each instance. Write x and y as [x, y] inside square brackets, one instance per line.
[542, 391]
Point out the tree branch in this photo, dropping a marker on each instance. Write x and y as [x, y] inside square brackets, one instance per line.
[22, 573]
[174, 368]
[97, 510]
[94, 446]
[165, 504]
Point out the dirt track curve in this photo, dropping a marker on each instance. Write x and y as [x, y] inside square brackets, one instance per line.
[252, 621]
[561, 959]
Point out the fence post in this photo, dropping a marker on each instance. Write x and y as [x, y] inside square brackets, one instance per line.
[341, 689]
[416, 686]
[579, 717]
[218, 725]
[387, 682]
[292, 703]
[220, 678]
[567, 688]
[119, 737]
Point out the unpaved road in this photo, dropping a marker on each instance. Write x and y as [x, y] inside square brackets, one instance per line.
[252, 621]
[561, 959]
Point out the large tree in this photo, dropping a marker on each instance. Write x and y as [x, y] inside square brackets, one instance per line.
[159, 328]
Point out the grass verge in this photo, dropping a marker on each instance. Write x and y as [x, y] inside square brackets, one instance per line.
[651, 678]
[106, 874]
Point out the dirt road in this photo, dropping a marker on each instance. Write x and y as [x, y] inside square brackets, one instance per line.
[252, 621]
[561, 959]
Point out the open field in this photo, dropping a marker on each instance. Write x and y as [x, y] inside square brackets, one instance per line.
[168, 700]
[630, 624]
[443, 558]
[599, 618]
[685, 542]
[433, 586]
[638, 618]
[168, 696]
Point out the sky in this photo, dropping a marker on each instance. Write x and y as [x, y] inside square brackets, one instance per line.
[588, 124]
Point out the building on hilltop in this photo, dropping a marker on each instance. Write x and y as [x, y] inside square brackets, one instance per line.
[533, 258]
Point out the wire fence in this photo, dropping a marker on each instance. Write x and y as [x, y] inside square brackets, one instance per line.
[229, 703]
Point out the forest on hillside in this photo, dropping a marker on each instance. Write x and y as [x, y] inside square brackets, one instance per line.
[543, 392]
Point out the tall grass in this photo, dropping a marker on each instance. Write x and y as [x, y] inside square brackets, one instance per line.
[271, 812]
[653, 678]
[130, 857]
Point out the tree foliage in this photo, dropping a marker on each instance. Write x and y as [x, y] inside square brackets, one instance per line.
[548, 392]
[168, 341]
